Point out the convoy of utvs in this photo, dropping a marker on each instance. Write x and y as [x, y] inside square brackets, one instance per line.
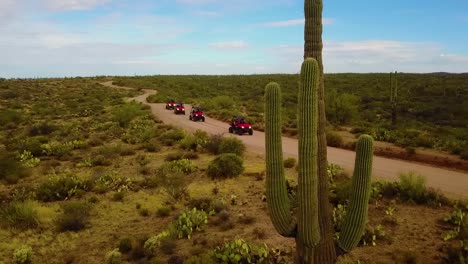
[237, 125]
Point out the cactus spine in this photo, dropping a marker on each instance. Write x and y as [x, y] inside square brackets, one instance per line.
[394, 96]
[304, 222]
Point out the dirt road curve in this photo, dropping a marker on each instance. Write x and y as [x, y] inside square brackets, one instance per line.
[453, 183]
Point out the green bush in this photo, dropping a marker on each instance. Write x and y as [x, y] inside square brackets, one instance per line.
[226, 165]
[43, 128]
[412, 187]
[239, 251]
[195, 142]
[163, 211]
[172, 136]
[23, 255]
[213, 144]
[114, 257]
[126, 113]
[232, 145]
[180, 165]
[125, 245]
[190, 221]
[22, 215]
[61, 187]
[152, 145]
[206, 258]
[334, 139]
[140, 130]
[152, 245]
[11, 170]
[289, 163]
[9, 116]
[74, 217]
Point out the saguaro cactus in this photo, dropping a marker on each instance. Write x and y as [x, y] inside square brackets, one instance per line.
[394, 96]
[303, 222]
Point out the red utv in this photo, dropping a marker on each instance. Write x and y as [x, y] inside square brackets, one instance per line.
[170, 104]
[239, 126]
[196, 114]
[179, 109]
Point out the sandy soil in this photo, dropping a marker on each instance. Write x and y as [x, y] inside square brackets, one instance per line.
[453, 183]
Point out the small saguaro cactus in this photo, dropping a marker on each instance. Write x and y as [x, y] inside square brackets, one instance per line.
[394, 96]
[303, 222]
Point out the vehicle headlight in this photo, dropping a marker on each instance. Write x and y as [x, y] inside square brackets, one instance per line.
[250, 126]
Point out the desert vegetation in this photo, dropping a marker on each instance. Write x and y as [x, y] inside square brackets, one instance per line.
[431, 107]
[90, 178]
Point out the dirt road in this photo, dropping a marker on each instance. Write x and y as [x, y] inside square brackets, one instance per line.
[451, 182]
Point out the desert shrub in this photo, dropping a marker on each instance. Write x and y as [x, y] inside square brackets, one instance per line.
[213, 144]
[232, 145]
[125, 245]
[11, 170]
[175, 260]
[43, 128]
[74, 217]
[126, 113]
[175, 185]
[412, 187]
[32, 144]
[334, 139]
[152, 145]
[110, 181]
[10, 116]
[181, 155]
[385, 189]
[201, 203]
[289, 163]
[23, 255]
[190, 221]
[340, 192]
[61, 187]
[153, 243]
[181, 165]
[163, 211]
[372, 234]
[172, 136]
[338, 216]
[114, 257]
[226, 165]
[22, 215]
[57, 149]
[218, 205]
[195, 142]
[139, 131]
[240, 251]
[28, 160]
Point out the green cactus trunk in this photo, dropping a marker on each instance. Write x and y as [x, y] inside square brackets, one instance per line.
[394, 96]
[305, 222]
[313, 46]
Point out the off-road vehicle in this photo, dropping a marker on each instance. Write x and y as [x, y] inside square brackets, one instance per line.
[170, 104]
[179, 108]
[239, 126]
[196, 114]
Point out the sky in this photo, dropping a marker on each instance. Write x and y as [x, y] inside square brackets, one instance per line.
[65, 38]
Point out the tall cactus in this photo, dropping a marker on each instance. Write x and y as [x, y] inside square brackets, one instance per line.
[394, 96]
[304, 222]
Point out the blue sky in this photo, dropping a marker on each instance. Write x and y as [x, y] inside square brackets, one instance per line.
[56, 38]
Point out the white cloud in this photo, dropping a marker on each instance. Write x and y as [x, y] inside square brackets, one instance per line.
[376, 56]
[239, 44]
[64, 5]
[294, 22]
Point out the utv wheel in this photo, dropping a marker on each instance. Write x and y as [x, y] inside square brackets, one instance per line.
[190, 117]
[183, 112]
[230, 130]
[250, 132]
[203, 119]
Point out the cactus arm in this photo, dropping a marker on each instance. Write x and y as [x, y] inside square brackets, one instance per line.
[356, 218]
[308, 224]
[276, 193]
